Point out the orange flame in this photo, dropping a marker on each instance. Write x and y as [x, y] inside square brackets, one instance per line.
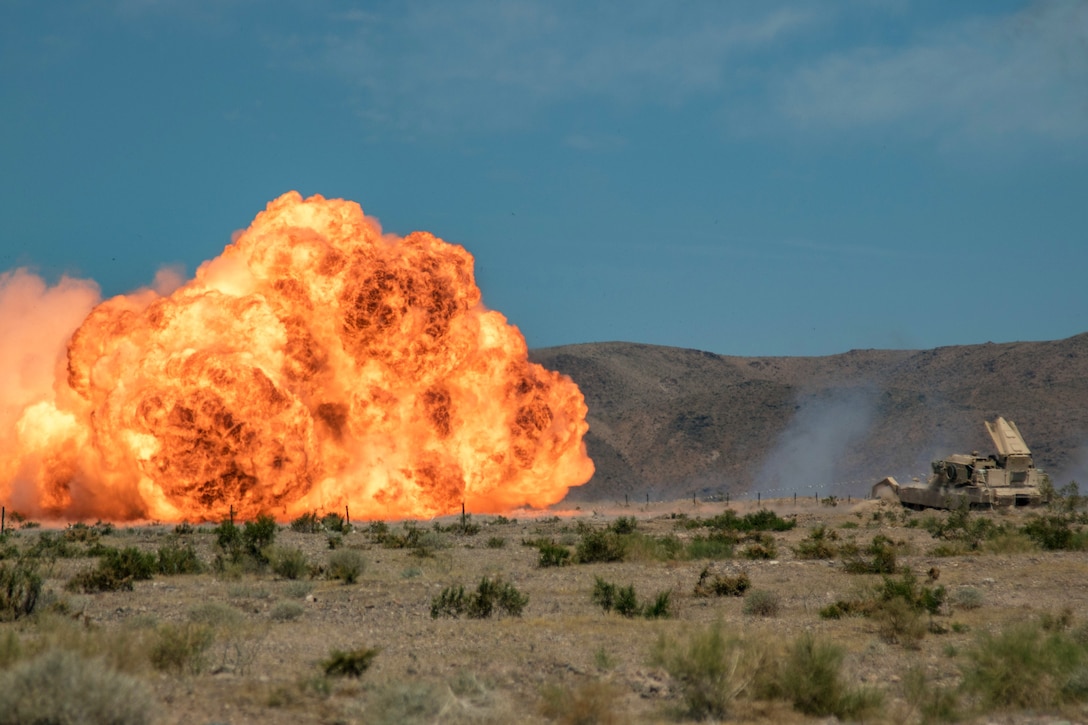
[315, 363]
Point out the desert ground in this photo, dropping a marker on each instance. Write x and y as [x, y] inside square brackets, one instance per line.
[241, 643]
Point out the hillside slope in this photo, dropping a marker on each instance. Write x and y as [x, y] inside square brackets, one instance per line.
[670, 422]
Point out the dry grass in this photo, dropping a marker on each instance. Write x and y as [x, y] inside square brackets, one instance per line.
[269, 635]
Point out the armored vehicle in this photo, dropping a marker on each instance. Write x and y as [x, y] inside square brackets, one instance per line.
[1007, 478]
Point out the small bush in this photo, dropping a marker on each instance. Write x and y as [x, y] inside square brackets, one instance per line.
[762, 520]
[932, 702]
[810, 677]
[711, 671]
[116, 570]
[595, 702]
[966, 598]
[624, 525]
[761, 546]
[346, 565]
[882, 553]
[625, 602]
[718, 545]
[553, 554]
[289, 563]
[1056, 533]
[722, 586]
[599, 545]
[491, 595]
[819, 544]
[1023, 666]
[899, 623]
[59, 687]
[349, 664]
[335, 522]
[258, 535]
[450, 603]
[174, 559]
[496, 542]
[661, 608]
[844, 608]
[20, 589]
[307, 523]
[286, 611]
[180, 648]
[762, 603]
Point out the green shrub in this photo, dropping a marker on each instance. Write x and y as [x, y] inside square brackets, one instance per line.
[898, 622]
[710, 670]
[882, 553]
[335, 522]
[59, 687]
[289, 563]
[600, 545]
[20, 589]
[810, 677]
[286, 611]
[760, 546]
[258, 535]
[624, 525]
[174, 559]
[625, 603]
[722, 586]
[116, 570]
[1055, 533]
[819, 544]
[552, 554]
[761, 603]
[53, 546]
[346, 565]
[762, 520]
[228, 538]
[181, 647]
[966, 598]
[349, 664]
[963, 529]
[932, 702]
[843, 608]
[450, 603]
[717, 545]
[661, 608]
[604, 594]
[496, 542]
[491, 595]
[307, 523]
[1023, 666]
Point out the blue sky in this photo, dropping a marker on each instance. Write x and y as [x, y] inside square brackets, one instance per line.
[750, 178]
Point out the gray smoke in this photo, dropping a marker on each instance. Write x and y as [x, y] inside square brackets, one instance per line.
[813, 454]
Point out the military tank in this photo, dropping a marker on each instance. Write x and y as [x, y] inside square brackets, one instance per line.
[1008, 478]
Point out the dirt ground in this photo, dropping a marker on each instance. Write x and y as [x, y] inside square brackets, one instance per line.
[265, 665]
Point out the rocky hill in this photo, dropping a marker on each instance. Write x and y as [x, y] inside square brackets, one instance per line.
[670, 422]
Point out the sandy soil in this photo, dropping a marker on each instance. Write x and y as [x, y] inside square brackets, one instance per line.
[262, 669]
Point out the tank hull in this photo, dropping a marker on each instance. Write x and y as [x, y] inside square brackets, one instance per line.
[1008, 479]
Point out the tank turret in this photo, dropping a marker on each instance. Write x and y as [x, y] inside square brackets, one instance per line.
[1006, 478]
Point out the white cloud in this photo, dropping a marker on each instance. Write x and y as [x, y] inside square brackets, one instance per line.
[988, 77]
[483, 64]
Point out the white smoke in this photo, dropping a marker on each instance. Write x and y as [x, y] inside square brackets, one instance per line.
[811, 453]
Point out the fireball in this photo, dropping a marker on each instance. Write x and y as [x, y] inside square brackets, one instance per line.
[316, 363]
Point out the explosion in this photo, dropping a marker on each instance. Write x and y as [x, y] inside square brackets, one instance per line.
[316, 363]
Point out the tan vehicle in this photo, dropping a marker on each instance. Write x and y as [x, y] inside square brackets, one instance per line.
[1008, 478]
